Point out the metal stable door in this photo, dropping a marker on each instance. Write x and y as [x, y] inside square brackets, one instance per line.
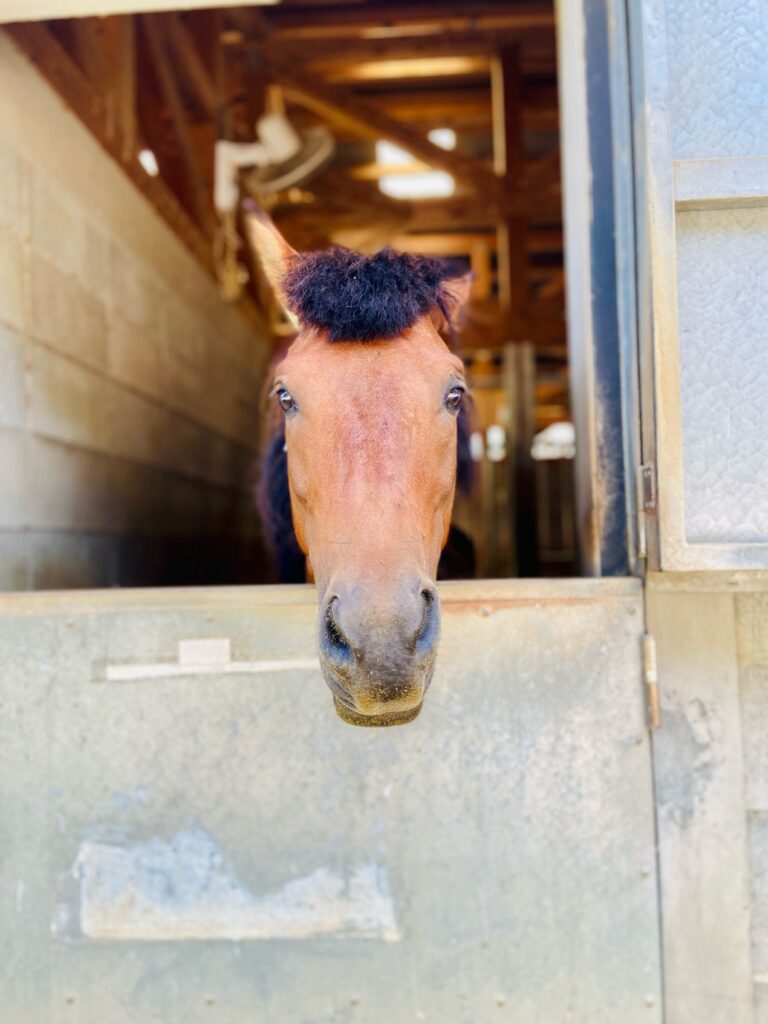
[189, 834]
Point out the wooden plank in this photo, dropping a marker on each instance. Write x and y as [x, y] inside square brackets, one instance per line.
[509, 164]
[105, 48]
[519, 378]
[191, 63]
[124, 85]
[201, 196]
[407, 20]
[401, 69]
[701, 811]
[470, 106]
[336, 52]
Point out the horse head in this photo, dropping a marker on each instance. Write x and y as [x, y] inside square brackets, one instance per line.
[370, 395]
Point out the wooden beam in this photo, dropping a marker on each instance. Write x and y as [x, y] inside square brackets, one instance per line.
[399, 69]
[105, 50]
[497, 333]
[335, 52]
[201, 196]
[361, 195]
[60, 71]
[553, 287]
[538, 240]
[543, 172]
[480, 265]
[448, 214]
[191, 63]
[468, 107]
[57, 67]
[341, 106]
[394, 21]
[123, 62]
[509, 164]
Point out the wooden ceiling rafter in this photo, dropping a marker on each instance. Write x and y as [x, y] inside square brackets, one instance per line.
[340, 105]
[200, 191]
[509, 162]
[468, 107]
[203, 83]
[505, 219]
[191, 63]
[338, 52]
[405, 20]
[55, 64]
[50, 58]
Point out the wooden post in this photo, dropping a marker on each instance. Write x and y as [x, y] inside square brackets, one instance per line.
[508, 164]
[520, 393]
[125, 85]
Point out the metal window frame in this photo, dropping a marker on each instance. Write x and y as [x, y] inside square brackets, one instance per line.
[599, 217]
[659, 337]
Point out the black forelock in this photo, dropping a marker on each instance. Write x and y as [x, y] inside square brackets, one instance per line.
[361, 298]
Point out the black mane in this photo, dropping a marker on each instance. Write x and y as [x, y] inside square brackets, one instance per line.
[361, 298]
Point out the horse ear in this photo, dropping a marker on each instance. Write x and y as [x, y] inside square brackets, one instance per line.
[272, 249]
[455, 292]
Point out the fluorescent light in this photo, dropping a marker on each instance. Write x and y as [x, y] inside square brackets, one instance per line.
[148, 161]
[496, 442]
[423, 185]
[390, 155]
[557, 441]
[445, 138]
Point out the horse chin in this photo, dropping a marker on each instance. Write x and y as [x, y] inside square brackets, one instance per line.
[375, 721]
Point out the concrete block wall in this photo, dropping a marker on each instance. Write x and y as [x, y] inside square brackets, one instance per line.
[129, 394]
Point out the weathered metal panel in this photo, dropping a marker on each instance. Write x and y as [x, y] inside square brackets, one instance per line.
[216, 844]
[711, 765]
[702, 824]
[722, 257]
[701, 89]
[718, 77]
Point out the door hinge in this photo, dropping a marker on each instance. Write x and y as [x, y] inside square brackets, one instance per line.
[647, 486]
[651, 681]
[646, 502]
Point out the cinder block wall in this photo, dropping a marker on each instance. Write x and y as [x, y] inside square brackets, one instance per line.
[129, 393]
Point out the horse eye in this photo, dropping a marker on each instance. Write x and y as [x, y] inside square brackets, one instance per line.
[286, 400]
[454, 397]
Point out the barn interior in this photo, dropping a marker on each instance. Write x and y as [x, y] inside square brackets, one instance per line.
[137, 326]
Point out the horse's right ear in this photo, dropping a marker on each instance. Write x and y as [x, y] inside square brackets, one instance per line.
[272, 249]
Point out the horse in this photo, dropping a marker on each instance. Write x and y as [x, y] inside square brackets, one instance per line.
[369, 397]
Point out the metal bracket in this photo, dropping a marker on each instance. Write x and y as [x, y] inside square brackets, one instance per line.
[646, 502]
[651, 681]
[647, 486]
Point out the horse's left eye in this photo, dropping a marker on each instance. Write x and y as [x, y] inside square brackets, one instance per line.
[287, 402]
[454, 397]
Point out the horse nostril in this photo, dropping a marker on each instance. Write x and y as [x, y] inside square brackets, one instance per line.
[430, 620]
[337, 644]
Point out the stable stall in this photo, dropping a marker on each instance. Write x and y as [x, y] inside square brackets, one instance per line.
[574, 828]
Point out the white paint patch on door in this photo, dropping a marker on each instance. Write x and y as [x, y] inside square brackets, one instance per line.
[182, 889]
[209, 656]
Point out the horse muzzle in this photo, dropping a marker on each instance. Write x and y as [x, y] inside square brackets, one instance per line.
[378, 661]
